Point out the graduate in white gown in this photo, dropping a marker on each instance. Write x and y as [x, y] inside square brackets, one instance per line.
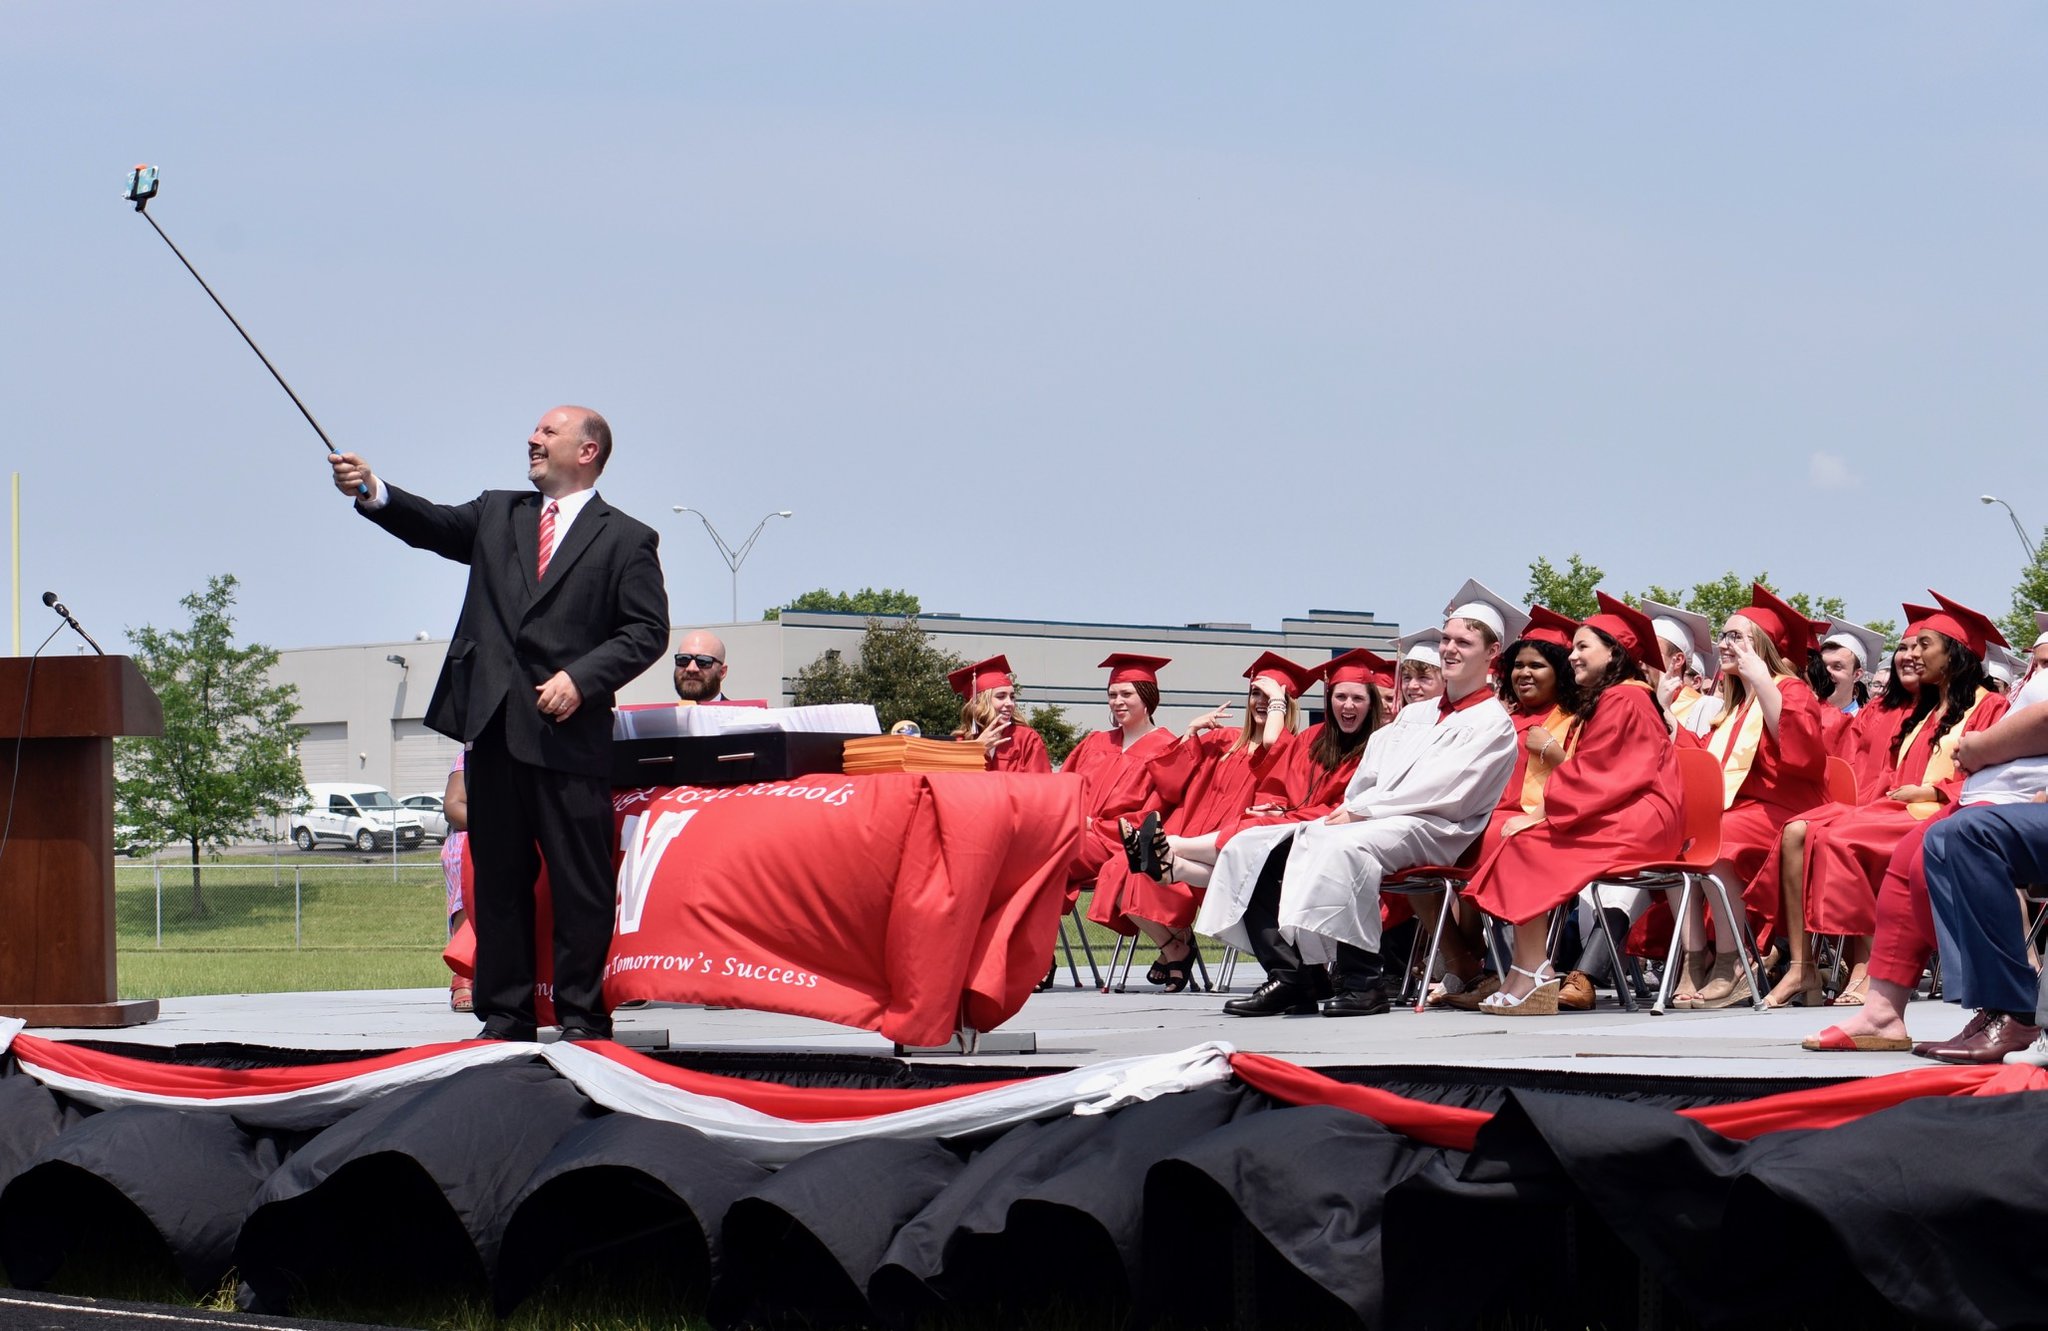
[1303, 895]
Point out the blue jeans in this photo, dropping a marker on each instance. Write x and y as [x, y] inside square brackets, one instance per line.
[1973, 859]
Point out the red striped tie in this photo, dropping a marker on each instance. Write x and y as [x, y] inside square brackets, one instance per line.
[547, 536]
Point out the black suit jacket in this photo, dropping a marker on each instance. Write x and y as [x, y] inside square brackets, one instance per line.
[601, 614]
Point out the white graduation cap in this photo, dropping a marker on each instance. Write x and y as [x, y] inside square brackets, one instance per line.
[2001, 664]
[1475, 600]
[1687, 630]
[2041, 623]
[1421, 646]
[1867, 645]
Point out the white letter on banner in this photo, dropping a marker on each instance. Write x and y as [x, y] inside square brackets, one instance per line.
[642, 855]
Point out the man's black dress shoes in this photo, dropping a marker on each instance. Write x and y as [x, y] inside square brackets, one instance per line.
[1274, 998]
[1356, 1003]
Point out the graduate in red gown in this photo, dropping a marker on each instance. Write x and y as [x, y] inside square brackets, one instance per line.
[1614, 799]
[1541, 696]
[1836, 673]
[1832, 860]
[1309, 780]
[1685, 636]
[1115, 766]
[1763, 725]
[988, 712]
[1207, 784]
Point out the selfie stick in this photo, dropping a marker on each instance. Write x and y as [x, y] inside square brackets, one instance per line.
[142, 187]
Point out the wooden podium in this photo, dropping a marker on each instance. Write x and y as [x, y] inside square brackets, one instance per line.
[58, 719]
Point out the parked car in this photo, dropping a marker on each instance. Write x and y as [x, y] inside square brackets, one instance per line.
[426, 806]
[128, 841]
[365, 817]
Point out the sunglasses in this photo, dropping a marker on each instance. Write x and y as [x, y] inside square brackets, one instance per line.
[703, 662]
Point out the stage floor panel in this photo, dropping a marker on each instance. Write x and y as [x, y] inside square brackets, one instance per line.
[1077, 1027]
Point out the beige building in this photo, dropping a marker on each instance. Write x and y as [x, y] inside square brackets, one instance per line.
[361, 705]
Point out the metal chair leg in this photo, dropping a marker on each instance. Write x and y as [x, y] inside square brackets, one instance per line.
[1436, 942]
[1744, 944]
[1624, 987]
[1115, 984]
[1672, 962]
[1226, 970]
[1087, 949]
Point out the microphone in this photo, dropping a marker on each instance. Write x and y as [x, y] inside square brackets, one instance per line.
[50, 600]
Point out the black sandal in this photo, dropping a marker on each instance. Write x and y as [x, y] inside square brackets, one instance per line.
[1159, 866]
[1134, 849]
[1148, 841]
[1178, 974]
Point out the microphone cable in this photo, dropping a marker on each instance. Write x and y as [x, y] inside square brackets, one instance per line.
[14, 782]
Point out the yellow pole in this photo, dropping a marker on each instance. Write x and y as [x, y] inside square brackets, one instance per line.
[17, 563]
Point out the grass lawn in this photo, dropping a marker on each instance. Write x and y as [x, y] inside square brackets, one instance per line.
[303, 922]
[327, 920]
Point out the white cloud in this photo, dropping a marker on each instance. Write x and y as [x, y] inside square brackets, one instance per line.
[1829, 472]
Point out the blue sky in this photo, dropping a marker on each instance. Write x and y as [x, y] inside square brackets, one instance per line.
[1134, 312]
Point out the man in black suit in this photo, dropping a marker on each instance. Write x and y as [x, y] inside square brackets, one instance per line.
[565, 604]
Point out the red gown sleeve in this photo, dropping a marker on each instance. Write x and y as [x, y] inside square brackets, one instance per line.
[1024, 753]
[1799, 741]
[1288, 781]
[1837, 733]
[1620, 750]
[1174, 771]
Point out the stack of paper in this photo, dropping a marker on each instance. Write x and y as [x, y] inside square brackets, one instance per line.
[666, 721]
[905, 753]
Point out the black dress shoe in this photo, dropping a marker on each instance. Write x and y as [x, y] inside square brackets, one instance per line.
[1274, 998]
[584, 1034]
[495, 1029]
[1356, 1003]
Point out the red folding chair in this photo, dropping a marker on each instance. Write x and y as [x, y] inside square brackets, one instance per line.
[1700, 815]
[1450, 880]
[1839, 780]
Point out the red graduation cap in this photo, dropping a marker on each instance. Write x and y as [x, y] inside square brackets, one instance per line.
[1358, 666]
[1629, 627]
[1791, 632]
[1969, 627]
[1130, 668]
[1270, 665]
[1546, 625]
[981, 676]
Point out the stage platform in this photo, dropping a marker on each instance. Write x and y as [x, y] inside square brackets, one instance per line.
[1075, 1028]
[1311, 1176]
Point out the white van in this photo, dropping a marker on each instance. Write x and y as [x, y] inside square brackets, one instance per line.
[365, 817]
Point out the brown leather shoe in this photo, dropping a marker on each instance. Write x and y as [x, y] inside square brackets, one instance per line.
[1975, 1027]
[1576, 993]
[2001, 1035]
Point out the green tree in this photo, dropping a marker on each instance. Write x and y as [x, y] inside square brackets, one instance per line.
[1569, 592]
[225, 757]
[900, 671]
[1730, 592]
[1060, 734]
[871, 601]
[2029, 594]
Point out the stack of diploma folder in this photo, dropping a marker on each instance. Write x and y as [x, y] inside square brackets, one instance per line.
[906, 753]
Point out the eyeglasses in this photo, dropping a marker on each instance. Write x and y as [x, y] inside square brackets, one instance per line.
[703, 662]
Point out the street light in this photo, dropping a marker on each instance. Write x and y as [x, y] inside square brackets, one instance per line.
[734, 558]
[2025, 542]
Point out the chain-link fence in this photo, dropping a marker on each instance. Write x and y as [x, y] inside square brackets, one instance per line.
[271, 924]
[270, 905]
